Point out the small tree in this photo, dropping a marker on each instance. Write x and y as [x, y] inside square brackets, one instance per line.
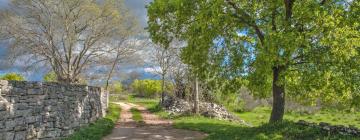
[164, 59]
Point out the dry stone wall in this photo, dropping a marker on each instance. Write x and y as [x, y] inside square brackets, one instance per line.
[36, 110]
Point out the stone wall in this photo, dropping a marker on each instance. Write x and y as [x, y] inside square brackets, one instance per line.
[340, 129]
[35, 110]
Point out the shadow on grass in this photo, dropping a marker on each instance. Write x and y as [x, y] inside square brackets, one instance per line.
[229, 131]
[94, 131]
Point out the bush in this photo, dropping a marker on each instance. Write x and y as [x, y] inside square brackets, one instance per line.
[12, 77]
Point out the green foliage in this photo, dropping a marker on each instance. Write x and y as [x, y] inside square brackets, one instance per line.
[149, 88]
[50, 77]
[116, 88]
[12, 77]
[315, 46]
[136, 115]
[100, 128]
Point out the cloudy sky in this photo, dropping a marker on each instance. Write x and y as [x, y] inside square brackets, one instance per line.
[136, 6]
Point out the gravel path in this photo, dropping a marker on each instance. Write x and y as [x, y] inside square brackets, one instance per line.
[154, 127]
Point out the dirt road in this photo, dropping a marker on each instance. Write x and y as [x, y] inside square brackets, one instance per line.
[154, 127]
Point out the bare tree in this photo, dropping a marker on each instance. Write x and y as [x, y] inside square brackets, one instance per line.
[122, 51]
[164, 60]
[69, 35]
[178, 72]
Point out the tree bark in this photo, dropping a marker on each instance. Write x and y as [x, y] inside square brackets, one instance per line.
[278, 109]
[162, 88]
[196, 100]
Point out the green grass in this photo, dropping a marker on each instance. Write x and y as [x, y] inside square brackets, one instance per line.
[225, 130]
[261, 116]
[100, 128]
[231, 131]
[136, 115]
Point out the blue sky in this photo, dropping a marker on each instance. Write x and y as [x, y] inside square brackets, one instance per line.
[136, 6]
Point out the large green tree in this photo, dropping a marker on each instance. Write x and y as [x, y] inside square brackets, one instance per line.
[307, 48]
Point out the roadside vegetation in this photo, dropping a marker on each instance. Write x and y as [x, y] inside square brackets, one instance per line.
[261, 130]
[99, 128]
[260, 115]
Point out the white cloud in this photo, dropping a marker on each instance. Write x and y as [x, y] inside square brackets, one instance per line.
[153, 70]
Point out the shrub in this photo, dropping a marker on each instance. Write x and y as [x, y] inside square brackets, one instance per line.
[50, 77]
[13, 77]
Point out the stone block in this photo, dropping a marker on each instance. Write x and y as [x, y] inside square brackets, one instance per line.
[21, 135]
[50, 134]
[2, 124]
[4, 115]
[22, 127]
[21, 106]
[9, 135]
[37, 110]
[19, 121]
[3, 106]
[10, 124]
[22, 113]
[35, 91]
[30, 119]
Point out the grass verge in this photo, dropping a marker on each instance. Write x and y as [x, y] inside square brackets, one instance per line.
[261, 115]
[225, 130]
[99, 128]
[286, 130]
[136, 115]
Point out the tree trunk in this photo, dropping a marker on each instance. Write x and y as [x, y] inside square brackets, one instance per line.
[111, 71]
[196, 100]
[162, 88]
[278, 109]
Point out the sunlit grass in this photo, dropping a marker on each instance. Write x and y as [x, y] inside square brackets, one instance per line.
[225, 130]
[261, 116]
